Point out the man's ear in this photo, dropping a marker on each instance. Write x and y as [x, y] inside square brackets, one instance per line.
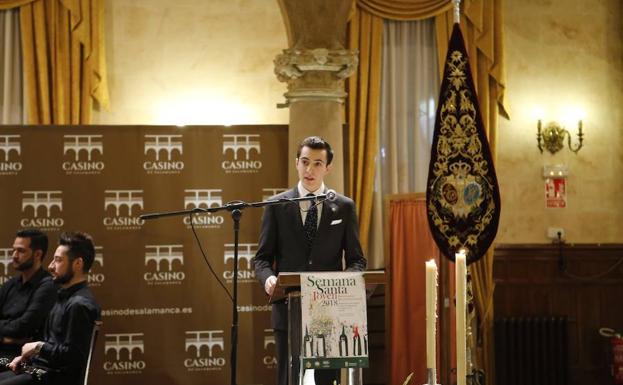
[38, 254]
[78, 264]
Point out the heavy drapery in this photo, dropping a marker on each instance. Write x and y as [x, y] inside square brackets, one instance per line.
[410, 245]
[409, 91]
[404, 9]
[482, 27]
[63, 59]
[11, 83]
[365, 34]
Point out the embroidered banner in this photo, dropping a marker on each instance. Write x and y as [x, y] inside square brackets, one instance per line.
[462, 196]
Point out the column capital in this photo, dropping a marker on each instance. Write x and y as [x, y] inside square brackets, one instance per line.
[315, 73]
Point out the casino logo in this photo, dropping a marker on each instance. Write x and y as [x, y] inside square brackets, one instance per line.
[163, 144]
[233, 144]
[164, 255]
[268, 193]
[120, 199]
[6, 260]
[212, 341]
[203, 198]
[269, 360]
[87, 145]
[8, 144]
[246, 271]
[95, 278]
[51, 201]
[125, 347]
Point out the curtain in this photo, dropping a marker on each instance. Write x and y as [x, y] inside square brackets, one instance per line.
[11, 98]
[365, 31]
[410, 88]
[404, 9]
[63, 59]
[410, 245]
[365, 34]
[409, 92]
[8, 4]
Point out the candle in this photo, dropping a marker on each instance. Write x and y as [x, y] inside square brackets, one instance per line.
[431, 318]
[580, 128]
[460, 271]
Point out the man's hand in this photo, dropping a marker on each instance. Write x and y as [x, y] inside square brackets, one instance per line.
[14, 365]
[269, 285]
[31, 349]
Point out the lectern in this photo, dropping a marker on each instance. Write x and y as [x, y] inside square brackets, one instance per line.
[289, 288]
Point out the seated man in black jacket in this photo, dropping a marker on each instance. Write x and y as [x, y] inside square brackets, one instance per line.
[26, 299]
[65, 346]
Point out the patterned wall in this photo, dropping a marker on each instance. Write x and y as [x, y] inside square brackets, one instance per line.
[166, 319]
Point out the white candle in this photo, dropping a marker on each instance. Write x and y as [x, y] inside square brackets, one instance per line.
[460, 271]
[431, 317]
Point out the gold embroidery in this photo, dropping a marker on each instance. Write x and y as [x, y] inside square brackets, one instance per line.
[462, 201]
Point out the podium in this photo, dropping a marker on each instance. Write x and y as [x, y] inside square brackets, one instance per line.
[288, 288]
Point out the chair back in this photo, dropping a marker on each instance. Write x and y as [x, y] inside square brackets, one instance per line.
[96, 328]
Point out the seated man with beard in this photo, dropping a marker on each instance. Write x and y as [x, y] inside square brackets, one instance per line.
[26, 299]
[64, 349]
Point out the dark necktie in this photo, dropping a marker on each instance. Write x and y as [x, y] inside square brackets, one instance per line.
[311, 222]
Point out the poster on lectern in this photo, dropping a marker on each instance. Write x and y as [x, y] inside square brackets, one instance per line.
[334, 321]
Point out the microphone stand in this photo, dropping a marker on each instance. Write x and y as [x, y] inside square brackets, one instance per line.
[236, 207]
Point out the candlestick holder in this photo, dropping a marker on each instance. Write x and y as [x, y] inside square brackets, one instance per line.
[552, 137]
[431, 377]
[476, 377]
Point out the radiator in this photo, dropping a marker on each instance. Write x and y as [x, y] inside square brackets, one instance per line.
[531, 351]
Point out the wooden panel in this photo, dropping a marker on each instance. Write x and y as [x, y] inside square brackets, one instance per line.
[376, 374]
[530, 282]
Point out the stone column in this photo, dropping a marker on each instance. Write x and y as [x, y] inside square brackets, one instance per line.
[315, 66]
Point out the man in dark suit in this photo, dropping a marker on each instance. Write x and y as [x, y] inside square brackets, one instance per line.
[26, 299]
[298, 237]
[64, 348]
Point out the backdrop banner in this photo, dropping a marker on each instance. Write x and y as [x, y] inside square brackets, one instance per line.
[166, 319]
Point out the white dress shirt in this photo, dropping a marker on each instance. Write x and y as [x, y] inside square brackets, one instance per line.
[305, 205]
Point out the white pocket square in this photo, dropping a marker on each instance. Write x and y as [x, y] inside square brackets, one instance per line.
[336, 222]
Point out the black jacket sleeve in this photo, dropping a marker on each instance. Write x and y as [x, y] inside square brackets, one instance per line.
[267, 247]
[34, 316]
[74, 349]
[353, 254]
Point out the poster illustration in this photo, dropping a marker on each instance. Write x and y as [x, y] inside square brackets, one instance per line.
[334, 320]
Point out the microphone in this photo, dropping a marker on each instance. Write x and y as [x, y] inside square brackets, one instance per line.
[331, 195]
[315, 200]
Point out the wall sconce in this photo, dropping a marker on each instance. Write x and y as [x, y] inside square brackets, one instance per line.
[553, 136]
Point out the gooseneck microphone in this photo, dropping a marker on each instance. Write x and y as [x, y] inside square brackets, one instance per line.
[331, 195]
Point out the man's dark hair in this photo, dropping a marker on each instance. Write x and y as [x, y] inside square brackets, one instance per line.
[80, 245]
[316, 143]
[38, 240]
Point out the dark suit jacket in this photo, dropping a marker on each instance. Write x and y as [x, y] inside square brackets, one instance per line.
[283, 244]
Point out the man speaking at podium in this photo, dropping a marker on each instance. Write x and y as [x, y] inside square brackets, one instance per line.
[306, 236]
